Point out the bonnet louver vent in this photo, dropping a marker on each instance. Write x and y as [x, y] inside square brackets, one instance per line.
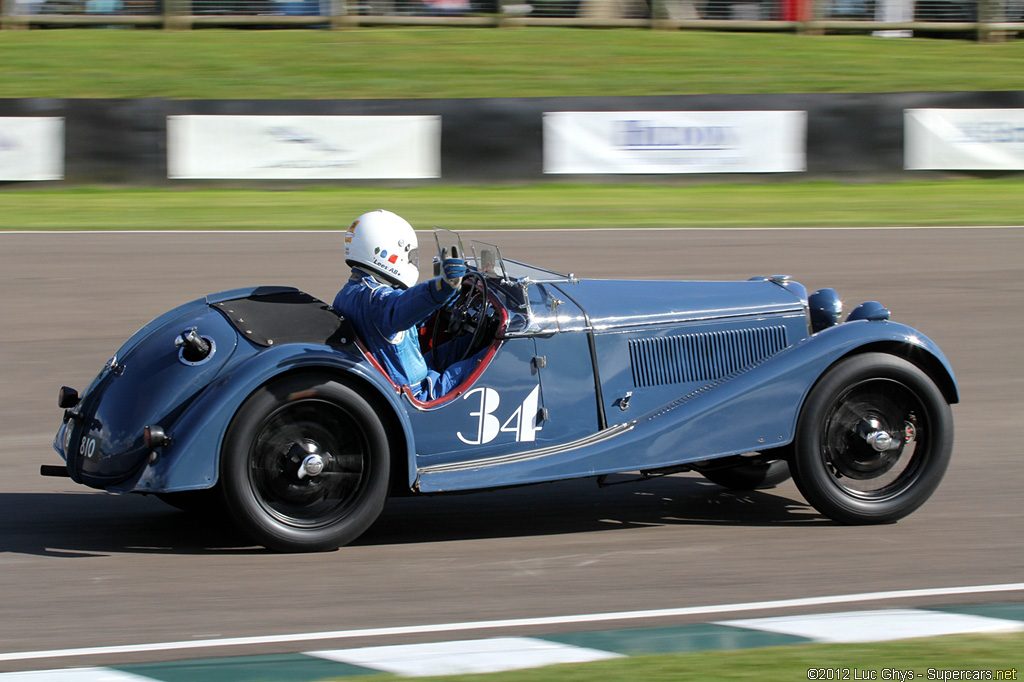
[701, 357]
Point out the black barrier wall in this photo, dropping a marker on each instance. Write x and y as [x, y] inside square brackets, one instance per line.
[497, 140]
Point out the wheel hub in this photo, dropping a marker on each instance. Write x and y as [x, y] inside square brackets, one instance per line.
[868, 449]
[310, 457]
[879, 439]
[313, 465]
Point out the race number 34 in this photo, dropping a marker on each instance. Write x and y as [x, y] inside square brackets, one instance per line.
[522, 422]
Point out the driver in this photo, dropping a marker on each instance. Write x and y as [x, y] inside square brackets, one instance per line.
[385, 304]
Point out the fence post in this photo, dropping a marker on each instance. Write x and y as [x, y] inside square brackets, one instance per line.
[509, 11]
[8, 10]
[989, 12]
[801, 12]
[176, 13]
[341, 15]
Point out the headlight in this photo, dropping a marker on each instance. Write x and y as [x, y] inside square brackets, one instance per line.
[825, 308]
[869, 310]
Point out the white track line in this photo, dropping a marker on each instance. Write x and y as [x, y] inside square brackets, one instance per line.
[517, 622]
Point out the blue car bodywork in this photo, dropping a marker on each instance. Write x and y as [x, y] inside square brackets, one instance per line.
[581, 378]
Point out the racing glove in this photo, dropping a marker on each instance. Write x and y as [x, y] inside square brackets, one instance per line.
[453, 270]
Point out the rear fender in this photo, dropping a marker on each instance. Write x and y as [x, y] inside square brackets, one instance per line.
[191, 461]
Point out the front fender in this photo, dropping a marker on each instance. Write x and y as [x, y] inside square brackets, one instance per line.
[898, 339]
[813, 356]
[191, 461]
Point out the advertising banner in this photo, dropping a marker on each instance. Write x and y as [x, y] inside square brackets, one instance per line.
[614, 142]
[963, 139]
[303, 147]
[31, 148]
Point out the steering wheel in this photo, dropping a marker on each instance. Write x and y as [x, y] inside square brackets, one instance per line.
[468, 310]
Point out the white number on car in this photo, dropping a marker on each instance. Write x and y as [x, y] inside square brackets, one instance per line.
[522, 422]
[87, 447]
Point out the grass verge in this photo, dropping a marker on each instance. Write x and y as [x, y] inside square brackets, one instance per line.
[982, 657]
[557, 205]
[485, 62]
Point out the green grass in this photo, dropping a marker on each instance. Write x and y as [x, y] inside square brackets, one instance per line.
[465, 62]
[963, 202]
[477, 62]
[453, 63]
[787, 664]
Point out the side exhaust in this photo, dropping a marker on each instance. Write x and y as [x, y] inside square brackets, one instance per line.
[54, 470]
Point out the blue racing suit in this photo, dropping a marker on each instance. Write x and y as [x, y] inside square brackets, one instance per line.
[386, 320]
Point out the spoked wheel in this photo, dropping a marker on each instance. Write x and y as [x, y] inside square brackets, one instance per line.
[305, 465]
[873, 441]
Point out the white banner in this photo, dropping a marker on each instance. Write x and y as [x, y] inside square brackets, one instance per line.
[303, 147]
[617, 142]
[963, 139]
[31, 148]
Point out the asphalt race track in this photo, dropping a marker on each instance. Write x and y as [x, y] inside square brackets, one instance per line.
[80, 568]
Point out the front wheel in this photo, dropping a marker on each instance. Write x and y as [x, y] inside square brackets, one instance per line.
[305, 465]
[873, 441]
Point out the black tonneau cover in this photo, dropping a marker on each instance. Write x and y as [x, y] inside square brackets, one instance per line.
[272, 316]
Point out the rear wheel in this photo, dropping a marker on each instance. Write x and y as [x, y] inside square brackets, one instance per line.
[873, 441]
[305, 465]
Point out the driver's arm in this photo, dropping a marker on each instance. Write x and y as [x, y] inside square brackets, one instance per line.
[396, 310]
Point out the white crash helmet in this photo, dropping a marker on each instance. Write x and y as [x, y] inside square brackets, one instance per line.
[384, 244]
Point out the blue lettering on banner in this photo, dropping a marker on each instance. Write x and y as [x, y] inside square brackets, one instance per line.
[325, 154]
[648, 135]
[992, 132]
[298, 136]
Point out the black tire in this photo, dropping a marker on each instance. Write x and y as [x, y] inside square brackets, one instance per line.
[280, 430]
[749, 475]
[873, 440]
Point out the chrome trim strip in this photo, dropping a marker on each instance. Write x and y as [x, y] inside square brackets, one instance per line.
[612, 324]
[527, 455]
[655, 320]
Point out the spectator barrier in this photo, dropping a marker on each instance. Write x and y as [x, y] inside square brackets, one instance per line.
[986, 19]
[157, 142]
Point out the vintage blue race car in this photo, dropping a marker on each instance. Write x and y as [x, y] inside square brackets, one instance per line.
[263, 401]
